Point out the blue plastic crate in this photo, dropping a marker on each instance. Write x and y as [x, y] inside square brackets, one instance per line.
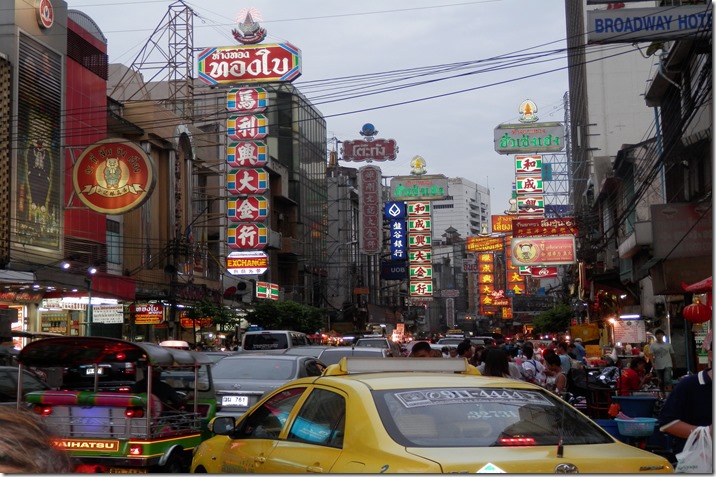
[637, 427]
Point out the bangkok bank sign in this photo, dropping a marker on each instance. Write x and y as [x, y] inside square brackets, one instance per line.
[250, 63]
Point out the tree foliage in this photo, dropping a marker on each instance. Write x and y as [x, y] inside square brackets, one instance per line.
[555, 320]
[219, 315]
[286, 315]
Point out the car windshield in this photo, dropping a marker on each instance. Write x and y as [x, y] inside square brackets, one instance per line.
[260, 368]
[482, 417]
[265, 341]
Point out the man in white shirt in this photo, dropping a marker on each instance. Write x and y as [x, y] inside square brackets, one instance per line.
[662, 357]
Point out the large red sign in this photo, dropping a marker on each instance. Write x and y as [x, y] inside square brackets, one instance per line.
[370, 219]
[247, 236]
[376, 150]
[544, 227]
[113, 176]
[250, 63]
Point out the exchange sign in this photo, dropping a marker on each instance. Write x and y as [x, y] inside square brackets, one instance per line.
[254, 262]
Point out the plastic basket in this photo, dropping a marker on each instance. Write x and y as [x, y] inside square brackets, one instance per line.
[637, 427]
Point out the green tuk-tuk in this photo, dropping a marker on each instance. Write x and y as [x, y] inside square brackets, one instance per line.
[96, 416]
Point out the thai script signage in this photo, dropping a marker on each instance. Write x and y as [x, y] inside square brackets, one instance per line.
[419, 188]
[249, 63]
[108, 314]
[537, 137]
[502, 223]
[484, 244]
[375, 150]
[544, 227]
[630, 25]
[148, 314]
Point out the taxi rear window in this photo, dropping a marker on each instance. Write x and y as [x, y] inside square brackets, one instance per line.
[482, 417]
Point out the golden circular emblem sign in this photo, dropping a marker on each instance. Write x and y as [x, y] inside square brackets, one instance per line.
[113, 176]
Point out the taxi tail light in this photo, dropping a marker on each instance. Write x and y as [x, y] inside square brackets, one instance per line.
[129, 368]
[517, 441]
[125, 389]
[131, 412]
[136, 449]
[42, 409]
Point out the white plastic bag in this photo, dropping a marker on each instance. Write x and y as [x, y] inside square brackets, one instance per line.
[697, 456]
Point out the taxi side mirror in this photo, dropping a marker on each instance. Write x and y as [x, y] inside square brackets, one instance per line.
[222, 426]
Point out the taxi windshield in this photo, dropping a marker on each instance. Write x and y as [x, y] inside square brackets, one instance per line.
[482, 417]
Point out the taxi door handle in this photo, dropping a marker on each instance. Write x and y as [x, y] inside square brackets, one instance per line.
[260, 459]
[314, 468]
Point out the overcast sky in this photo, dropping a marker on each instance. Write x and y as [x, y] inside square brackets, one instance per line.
[480, 59]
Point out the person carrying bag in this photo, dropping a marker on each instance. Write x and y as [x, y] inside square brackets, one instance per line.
[697, 456]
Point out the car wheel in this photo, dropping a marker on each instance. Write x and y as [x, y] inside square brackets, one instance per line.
[175, 464]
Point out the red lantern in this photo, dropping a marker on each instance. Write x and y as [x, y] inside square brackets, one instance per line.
[697, 312]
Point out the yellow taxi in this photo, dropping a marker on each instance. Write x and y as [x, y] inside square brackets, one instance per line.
[428, 415]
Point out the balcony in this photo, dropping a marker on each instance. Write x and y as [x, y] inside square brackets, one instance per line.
[640, 236]
[291, 246]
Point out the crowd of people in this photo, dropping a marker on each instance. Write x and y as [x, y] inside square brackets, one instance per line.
[548, 368]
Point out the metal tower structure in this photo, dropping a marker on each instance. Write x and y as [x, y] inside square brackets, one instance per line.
[166, 62]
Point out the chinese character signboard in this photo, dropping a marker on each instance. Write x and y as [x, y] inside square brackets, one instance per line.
[254, 126]
[247, 154]
[528, 165]
[247, 236]
[251, 209]
[420, 248]
[247, 100]
[528, 185]
[249, 63]
[530, 205]
[370, 227]
[247, 181]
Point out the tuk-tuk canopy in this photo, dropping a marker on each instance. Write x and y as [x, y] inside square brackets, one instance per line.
[78, 350]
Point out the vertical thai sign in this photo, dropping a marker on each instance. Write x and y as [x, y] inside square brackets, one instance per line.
[370, 220]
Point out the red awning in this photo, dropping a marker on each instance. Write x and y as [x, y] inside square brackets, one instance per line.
[704, 286]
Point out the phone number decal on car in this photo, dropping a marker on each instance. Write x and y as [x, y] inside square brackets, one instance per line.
[431, 397]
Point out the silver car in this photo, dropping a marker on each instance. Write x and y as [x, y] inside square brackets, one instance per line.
[242, 379]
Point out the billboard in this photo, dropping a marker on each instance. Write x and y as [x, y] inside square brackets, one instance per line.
[375, 150]
[249, 63]
[543, 251]
[536, 137]
[433, 187]
[630, 25]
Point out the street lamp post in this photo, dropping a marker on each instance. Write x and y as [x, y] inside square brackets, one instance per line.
[88, 280]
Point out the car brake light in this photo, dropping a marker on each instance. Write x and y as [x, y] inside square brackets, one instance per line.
[121, 356]
[42, 410]
[124, 389]
[517, 441]
[135, 449]
[134, 412]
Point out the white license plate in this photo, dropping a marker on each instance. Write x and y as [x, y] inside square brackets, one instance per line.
[234, 400]
[91, 370]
